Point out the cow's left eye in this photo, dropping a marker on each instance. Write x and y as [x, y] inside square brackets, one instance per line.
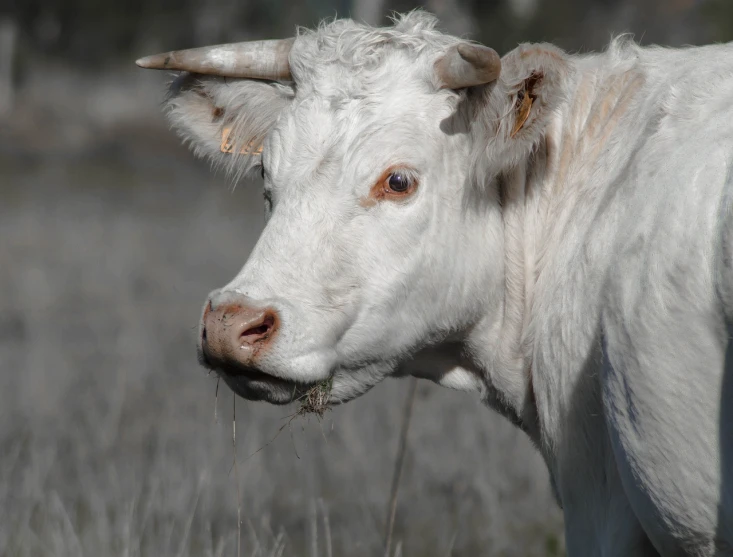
[399, 182]
[395, 184]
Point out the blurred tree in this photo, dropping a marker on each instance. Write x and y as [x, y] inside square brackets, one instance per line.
[720, 15]
[8, 33]
[92, 32]
[368, 11]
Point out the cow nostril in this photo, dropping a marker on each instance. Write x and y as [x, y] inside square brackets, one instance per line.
[259, 330]
[204, 328]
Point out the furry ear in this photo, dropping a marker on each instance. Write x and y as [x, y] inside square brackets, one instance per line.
[516, 111]
[533, 76]
[226, 119]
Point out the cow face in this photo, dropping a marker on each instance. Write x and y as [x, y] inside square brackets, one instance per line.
[382, 251]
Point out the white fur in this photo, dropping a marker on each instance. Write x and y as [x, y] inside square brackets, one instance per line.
[577, 275]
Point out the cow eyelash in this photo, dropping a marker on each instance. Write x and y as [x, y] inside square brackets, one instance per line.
[268, 204]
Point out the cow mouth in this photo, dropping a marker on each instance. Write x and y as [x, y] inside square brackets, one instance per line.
[253, 384]
[250, 374]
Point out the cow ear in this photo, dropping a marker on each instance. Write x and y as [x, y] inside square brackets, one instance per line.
[532, 85]
[224, 119]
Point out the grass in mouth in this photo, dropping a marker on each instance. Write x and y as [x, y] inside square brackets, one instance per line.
[316, 399]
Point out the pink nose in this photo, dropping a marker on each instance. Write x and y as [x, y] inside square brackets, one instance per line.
[234, 334]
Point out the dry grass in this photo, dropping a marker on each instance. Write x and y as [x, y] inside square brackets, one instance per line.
[315, 400]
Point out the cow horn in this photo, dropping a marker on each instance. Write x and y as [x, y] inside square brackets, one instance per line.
[466, 65]
[253, 59]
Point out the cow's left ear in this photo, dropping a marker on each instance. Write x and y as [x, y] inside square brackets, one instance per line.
[530, 88]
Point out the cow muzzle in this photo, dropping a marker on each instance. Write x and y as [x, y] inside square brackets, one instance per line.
[247, 344]
[235, 333]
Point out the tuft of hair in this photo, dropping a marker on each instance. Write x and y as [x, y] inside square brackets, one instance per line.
[357, 45]
[623, 47]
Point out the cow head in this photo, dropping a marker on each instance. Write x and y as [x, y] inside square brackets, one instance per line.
[383, 251]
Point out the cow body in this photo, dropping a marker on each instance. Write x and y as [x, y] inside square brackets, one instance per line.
[568, 254]
[628, 332]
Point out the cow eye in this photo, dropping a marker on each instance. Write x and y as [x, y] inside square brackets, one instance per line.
[262, 171]
[395, 184]
[399, 182]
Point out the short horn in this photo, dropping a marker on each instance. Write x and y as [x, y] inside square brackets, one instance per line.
[254, 59]
[466, 65]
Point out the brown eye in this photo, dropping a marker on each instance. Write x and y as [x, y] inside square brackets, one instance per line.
[395, 183]
[399, 182]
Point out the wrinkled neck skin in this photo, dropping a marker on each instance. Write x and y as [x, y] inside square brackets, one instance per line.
[491, 358]
[494, 357]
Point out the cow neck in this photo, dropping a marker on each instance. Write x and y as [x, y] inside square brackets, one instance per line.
[524, 194]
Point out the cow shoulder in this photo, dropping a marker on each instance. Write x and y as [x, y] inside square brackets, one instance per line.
[665, 349]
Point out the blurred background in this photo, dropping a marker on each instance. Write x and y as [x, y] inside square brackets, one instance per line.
[112, 439]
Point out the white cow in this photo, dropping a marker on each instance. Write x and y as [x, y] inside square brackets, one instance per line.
[550, 230]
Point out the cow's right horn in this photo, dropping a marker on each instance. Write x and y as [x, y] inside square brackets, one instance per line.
[466, 65]
[254, 59]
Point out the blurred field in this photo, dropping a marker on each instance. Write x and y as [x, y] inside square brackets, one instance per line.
[108, 438]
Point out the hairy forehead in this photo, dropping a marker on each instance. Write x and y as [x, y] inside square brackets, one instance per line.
[379, 127]
[360, 91]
